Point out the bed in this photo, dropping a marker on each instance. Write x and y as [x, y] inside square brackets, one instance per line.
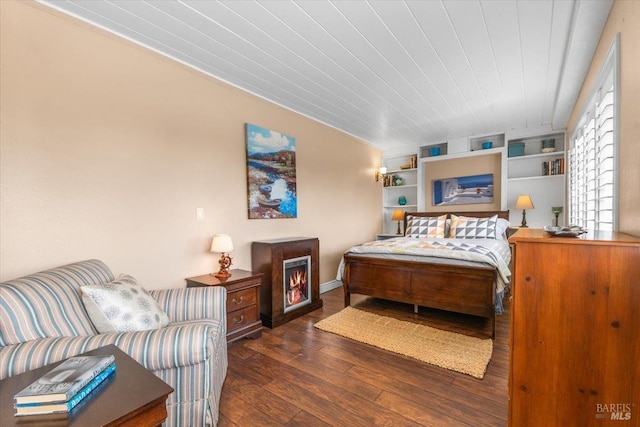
[398, 269]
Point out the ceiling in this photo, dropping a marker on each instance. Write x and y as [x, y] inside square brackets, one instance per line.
[393, 73]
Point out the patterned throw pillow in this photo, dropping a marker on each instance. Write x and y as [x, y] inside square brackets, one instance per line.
[426, 226]
[464, 227]
[122, 306]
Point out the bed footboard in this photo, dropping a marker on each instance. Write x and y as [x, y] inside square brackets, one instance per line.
[467, 290]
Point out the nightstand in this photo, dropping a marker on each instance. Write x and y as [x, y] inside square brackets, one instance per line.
[243, 301]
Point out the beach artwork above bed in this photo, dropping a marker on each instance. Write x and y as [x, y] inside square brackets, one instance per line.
[463, 190]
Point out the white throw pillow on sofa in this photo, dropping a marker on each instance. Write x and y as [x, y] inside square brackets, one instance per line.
[122, 306]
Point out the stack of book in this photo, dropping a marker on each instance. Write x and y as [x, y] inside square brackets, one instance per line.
[553, 167]
[62, 388]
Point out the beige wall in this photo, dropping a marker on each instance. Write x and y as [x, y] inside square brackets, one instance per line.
[467, 166]
[624, 18]
[107, 149]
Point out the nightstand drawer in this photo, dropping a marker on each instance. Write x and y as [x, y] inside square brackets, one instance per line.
[239, 318]
[240, 299]
[242, 302]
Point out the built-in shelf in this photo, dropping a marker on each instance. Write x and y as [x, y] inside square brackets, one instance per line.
[526, 175]
[527, 178]
[400, 206]
[397, 167]
[537, 156]
[464, 155]
[400, 186]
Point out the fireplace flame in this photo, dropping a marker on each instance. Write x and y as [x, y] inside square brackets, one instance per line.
[298, 279]
[297, 287]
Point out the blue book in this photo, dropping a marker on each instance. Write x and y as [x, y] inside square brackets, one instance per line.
[52, 408]
[65, 380]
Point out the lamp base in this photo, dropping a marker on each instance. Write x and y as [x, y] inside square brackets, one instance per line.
[399, 233]
[222, 275]
[225, 263]
[524, 220]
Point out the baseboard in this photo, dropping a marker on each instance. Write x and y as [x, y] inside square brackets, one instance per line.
[329, 286]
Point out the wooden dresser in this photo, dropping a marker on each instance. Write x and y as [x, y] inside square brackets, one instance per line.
[575, 330]
[243, 301]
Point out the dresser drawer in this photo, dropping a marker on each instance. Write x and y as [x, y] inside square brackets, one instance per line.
[239, 318]
[240, 299]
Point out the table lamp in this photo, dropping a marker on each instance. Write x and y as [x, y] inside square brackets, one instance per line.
[222, 244]
[524, 202]
[398, 215]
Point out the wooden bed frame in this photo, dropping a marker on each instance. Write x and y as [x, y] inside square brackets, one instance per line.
[467, 290]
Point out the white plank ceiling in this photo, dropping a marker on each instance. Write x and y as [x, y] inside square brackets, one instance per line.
[394, 73]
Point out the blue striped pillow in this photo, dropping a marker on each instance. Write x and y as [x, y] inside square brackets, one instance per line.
[48, 304]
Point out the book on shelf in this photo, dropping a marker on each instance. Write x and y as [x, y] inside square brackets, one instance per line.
[553, 167]
[65, 380]
[56, 407]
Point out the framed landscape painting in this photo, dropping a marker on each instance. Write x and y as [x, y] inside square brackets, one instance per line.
[271, 174]
[463, 190]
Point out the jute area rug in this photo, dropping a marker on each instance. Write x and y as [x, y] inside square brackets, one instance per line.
[448, 350]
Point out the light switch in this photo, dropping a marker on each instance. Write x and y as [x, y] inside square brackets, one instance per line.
[199, 214]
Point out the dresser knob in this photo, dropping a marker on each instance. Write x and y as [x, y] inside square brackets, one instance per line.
[236, 321]
[235, 301]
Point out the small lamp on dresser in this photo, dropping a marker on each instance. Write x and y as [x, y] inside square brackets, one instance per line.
[524, 202]
[398, 215]
[222, 244]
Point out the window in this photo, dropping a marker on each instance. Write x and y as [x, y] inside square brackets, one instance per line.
[593, 154]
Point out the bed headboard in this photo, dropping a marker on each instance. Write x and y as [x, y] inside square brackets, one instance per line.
[476, 214]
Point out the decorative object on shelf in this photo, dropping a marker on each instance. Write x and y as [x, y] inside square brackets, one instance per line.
[398, 215]
[548, 145]
[397, 180]
[271, 174]
[557, 210]
[524, 202]
[380, 173]
[402, 200]
[571, 231]
[487, 144]
[222, 244]
[516, 149]
[434, 151]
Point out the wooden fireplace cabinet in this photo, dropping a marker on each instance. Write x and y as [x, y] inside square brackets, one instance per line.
[267, 257]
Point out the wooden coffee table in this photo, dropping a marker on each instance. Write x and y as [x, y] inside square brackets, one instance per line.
[132, 397]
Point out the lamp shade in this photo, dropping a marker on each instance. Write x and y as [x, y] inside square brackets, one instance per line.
[524, 202]
[382, 170]
[221, 243]
[398, 215]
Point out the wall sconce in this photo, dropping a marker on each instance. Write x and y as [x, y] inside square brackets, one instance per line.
[398, 215]
[222, 244]
[524, 202]
[380, 173]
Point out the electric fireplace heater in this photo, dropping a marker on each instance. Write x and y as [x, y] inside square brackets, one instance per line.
[296, 282]
[290, 284]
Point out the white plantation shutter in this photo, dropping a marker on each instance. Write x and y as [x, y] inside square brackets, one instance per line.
[592, 157]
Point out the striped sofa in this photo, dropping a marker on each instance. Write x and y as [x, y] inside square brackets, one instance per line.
[43, 320]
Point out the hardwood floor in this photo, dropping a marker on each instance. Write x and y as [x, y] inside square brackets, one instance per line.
[296, 375]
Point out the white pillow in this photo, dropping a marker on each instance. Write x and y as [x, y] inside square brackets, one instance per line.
[501, 229]
[122, 306]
